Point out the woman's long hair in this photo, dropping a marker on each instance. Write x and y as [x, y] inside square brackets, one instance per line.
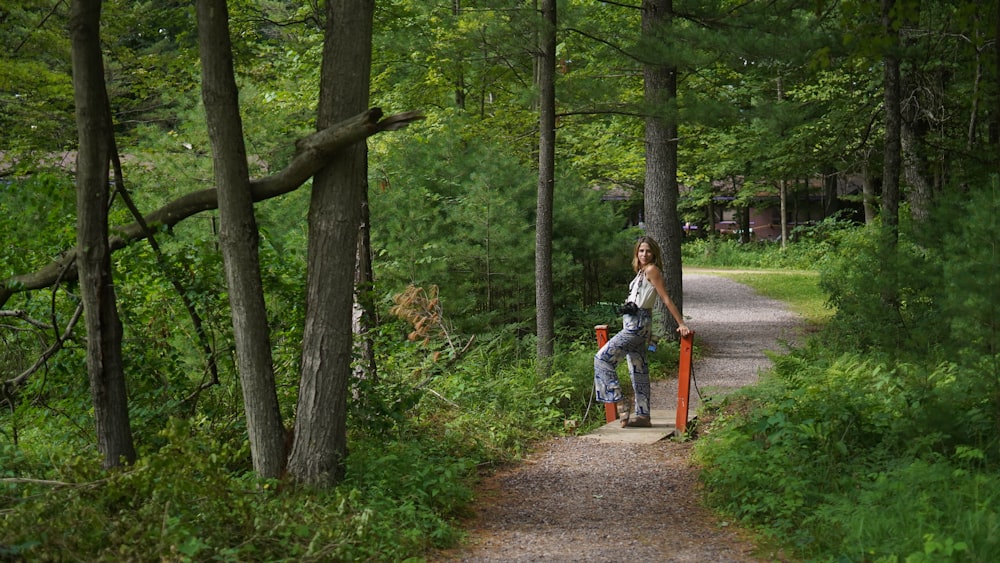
[657, 255]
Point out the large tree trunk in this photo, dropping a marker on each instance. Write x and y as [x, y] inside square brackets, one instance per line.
[921, 191]
[544, 302]
[320, 447]
[238, 239]
[661, 191]
[104, 329]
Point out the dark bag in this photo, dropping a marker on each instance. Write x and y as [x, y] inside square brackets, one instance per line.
[629, 308]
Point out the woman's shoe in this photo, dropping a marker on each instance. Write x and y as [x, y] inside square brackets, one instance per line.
[639, 422]
[623, 412]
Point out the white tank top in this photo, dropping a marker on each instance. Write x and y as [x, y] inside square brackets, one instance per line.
[641, 292]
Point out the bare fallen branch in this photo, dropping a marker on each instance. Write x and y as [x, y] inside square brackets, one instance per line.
[23, 315]
[12, 385]
[313, 152]
[27, 481]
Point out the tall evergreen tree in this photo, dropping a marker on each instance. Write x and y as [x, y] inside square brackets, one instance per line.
[544, 303]
[660, 189]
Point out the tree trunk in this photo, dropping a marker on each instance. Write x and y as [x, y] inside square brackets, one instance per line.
[104, 329]
[744, 224]
[661, 191]
[869, 198]
[320, 446]
[238, 239]
[831, 203]
[892, 158]
[921, 192]
[544, 302]
[783, 198]
[364, 319]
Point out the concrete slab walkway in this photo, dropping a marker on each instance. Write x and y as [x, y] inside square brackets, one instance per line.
[664, 426]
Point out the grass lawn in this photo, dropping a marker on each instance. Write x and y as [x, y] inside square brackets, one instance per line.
[798, 288]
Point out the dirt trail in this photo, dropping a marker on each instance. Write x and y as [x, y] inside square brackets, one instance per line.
[578, 499]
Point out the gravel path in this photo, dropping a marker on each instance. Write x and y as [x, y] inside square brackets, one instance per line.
[576, 499]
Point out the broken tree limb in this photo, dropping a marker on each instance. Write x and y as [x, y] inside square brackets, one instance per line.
[313, 152]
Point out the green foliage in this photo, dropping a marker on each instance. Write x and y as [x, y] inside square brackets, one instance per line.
[459, 214]
[947, 281]
[969, 282]
[413, 458]
[37, 220]
[766, 91]
[194, 500]
[810, 248]
[820, 453]
[729, 253]
[36, 93]
[876, 441]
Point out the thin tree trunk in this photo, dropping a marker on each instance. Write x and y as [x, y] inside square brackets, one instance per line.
[320, 447]
[661, 189]
[892, 160]
[238, 239]
[831, 203]
[869, 198]
[544, 302]
[364, 319]
[783, 197]
[93, 257]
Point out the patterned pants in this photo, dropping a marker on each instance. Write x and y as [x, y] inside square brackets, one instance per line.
[631, 343]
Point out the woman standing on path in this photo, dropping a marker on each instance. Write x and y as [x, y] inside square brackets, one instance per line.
[633, 340]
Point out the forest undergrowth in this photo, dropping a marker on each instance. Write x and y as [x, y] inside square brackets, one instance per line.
[873, 441]
[876, 440]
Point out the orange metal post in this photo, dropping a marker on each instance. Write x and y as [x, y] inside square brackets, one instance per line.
[610, 411]
[684, 382]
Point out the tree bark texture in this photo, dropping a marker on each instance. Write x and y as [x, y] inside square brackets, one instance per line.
[313, 153]
[661, 191]
[364, 319]
[892, 160]
[320, 446]
[831, 203]
[93, 256]
[238, 240]
[869, 195]
[544, 301]
[915, 168]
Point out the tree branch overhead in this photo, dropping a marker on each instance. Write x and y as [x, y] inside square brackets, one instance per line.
[313, 151]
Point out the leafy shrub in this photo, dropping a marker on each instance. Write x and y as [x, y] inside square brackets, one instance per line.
[819, 438]
[716, 252]
[195, 500]
[809, 247]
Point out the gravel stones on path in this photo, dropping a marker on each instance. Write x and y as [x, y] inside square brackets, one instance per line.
[734, 327]
[576, 499]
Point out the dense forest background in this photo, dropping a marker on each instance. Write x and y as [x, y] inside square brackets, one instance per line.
[666, 113]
